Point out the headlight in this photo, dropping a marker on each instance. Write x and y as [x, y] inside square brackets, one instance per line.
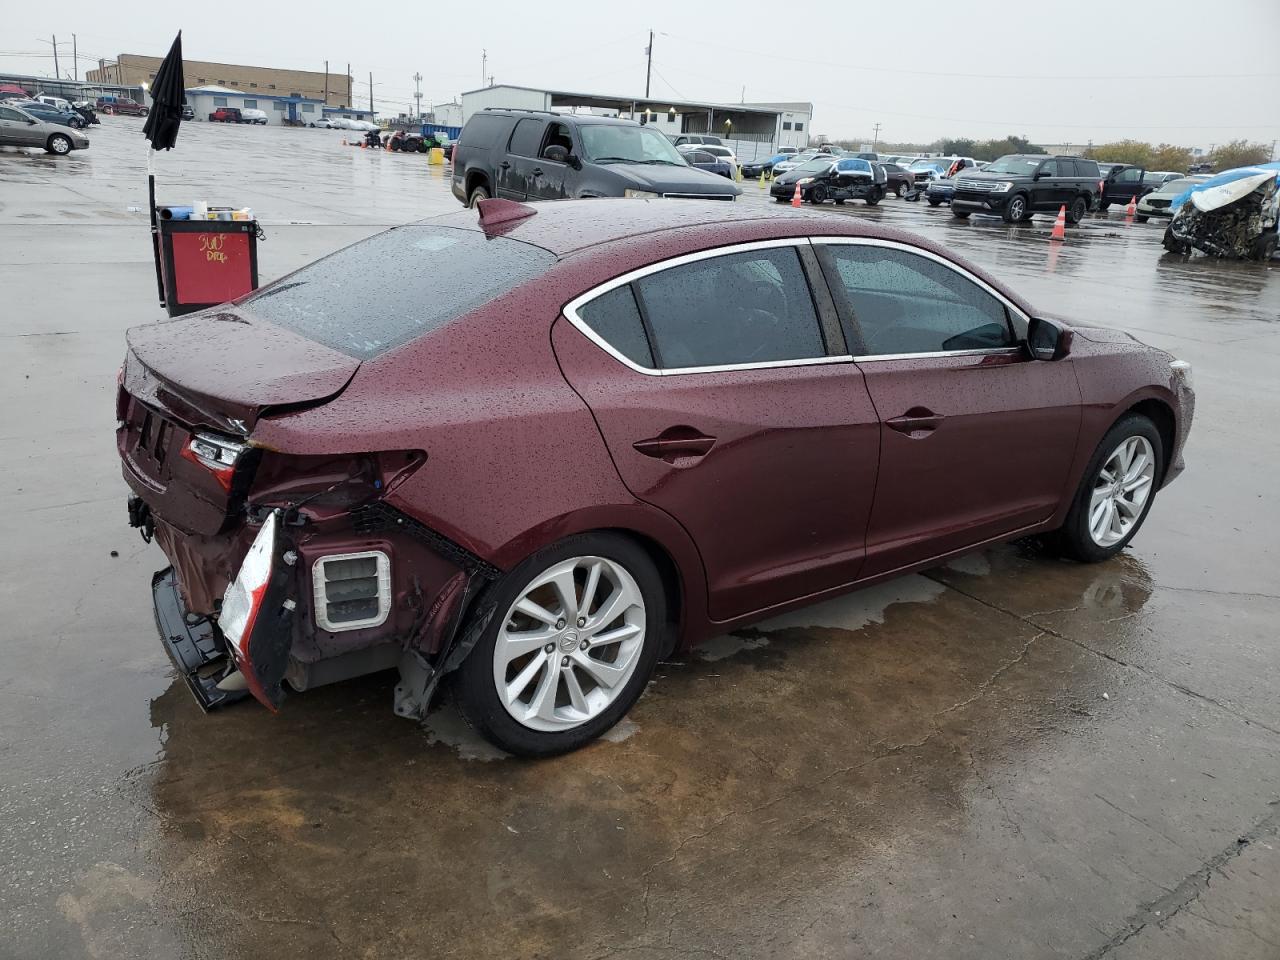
[1004, 186]
[641, 194]
[1182, 373]
[804, 180]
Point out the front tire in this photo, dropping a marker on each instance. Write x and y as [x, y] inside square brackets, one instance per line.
[875, 196]
[932, 202]
[59, 144]
[818, 195]
[573, 635]
[1116, 492]
[900, 190]
[1016, 210]
[960, 214]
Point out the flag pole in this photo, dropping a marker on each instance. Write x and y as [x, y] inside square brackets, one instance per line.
[155, 226]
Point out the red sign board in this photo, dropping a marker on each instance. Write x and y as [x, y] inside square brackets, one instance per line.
[211, 267]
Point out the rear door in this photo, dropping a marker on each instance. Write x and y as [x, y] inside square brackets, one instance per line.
[977, 438]
[515, 169]
[726, 397]
[1125, 185]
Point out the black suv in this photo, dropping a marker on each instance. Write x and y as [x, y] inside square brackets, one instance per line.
[1017, 186]
[541, 155]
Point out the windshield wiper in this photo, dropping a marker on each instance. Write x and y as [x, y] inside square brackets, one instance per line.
[615, 160]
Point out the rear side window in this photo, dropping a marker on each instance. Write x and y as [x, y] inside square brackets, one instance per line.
[385, 291]
[902, 302]
[615, 318]
[526, 138]
[750, 307]
[1088, 168]
[484, 130]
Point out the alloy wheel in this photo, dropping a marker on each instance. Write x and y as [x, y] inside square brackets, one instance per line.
[1120, 493]
[569, 643]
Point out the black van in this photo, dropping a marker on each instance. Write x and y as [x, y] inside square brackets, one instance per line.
[542, 155]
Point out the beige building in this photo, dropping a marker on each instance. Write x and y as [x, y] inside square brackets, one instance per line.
[132, 68]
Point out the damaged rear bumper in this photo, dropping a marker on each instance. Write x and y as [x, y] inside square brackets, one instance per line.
[195, 646]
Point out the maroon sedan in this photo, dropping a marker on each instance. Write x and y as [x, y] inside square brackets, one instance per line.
[544, 448]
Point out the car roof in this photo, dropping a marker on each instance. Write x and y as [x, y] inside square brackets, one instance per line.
[554, 115]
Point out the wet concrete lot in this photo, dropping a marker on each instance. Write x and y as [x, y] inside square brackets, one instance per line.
[1010, 756]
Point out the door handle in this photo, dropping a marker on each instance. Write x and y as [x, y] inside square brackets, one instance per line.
[675, 444]
[504, 165]
[537, 171]
[918, 422]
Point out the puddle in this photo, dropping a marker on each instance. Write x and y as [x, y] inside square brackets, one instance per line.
[855, 610]
[973, 564]
[447, 726]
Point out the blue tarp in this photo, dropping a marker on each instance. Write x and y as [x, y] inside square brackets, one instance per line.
[1217, 180]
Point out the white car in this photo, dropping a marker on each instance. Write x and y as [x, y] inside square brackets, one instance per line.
[324, 123]
[55, 102]
[254, 116]
[724, 153]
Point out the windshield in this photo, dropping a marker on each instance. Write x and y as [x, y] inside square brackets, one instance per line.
[929, 165]
[387, 290]
[814, 165]
[1177, 186]
[616, 143]
[1018, 166]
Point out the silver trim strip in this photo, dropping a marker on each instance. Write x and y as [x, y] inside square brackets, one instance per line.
[573, 306]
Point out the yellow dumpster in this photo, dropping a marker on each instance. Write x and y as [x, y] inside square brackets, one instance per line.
[435, 156]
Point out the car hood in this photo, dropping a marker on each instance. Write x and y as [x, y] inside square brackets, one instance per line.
[660, 178]
[224, 368]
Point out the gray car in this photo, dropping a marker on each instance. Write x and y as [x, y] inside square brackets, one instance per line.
[20, 129]
[541, 155]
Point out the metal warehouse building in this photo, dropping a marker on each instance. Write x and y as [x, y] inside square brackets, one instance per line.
[752, 130]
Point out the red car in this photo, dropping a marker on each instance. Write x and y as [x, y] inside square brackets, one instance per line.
[544, 448]
[122, 105]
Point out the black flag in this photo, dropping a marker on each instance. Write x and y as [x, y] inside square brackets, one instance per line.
[167, 95]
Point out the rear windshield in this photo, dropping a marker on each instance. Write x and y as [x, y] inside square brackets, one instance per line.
[387, 290]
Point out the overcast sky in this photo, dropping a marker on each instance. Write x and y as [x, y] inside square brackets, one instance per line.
[1066, 71]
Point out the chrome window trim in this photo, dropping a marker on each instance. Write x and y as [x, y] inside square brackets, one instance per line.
[571, 309]
[1012, 307]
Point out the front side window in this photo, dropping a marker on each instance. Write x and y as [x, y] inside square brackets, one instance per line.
[1131, 175]
[903, 302]
[749, 307]
[1049, 168]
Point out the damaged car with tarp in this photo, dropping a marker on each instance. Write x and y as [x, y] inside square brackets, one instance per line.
[1233, 215]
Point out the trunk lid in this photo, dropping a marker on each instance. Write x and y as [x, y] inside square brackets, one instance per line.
[221, 369]
[193, 389]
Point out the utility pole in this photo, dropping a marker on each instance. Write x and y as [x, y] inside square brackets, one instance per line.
[648, 70]
[875, 140]
[75, 59]
[417, 92]
[484, 66]
[56, 73]
[326, 84]
[349, 102]
[370, 94]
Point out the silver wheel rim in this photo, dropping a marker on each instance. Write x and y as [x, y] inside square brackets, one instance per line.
[1121, 491]
[61, 145]
[1017, 209]
[569, 644]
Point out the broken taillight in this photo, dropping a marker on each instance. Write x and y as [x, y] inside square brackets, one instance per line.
[243, 599]
[216, 454]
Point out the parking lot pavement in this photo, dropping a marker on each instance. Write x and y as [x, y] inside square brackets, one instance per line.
[1009, 756]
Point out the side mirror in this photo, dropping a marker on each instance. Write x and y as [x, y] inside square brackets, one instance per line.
[556, 153]
[575, 161]
[1046, 340]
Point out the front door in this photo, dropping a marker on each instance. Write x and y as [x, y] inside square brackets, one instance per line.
[548, 179]
[1126, 185]
[516, 167]
[728, 403]
[17, 130]
[1050, 189]
[976, 437]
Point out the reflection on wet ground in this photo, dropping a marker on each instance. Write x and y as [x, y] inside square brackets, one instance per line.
[1008, 756]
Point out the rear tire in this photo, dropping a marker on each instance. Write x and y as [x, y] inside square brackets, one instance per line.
[960, 214]
[1141, 217]
[932, 202]
[1079, 207]
[1093, 507]
[478, 194]
[59, 144]
[143, 112]
[1103, 205]
[875, 196]
[580, 707]
[900, 190]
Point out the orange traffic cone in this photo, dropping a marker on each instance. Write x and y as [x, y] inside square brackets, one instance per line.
[1132, 208]
[1060, 224]
[795, 197]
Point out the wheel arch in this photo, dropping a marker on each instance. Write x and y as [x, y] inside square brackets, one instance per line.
[476, 178]
[1162, 415]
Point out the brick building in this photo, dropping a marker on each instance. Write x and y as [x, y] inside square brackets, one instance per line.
[133, 68]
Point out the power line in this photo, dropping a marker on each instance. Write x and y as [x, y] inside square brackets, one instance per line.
[977, 76]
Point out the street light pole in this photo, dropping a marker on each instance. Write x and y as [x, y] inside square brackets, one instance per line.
[75, 59]
[417, 92]
[648, 71]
